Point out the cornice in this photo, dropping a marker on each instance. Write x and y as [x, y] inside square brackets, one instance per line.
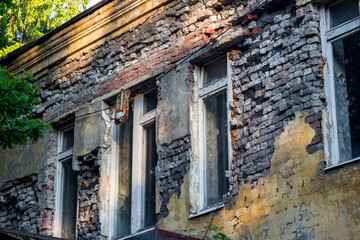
[70, 39]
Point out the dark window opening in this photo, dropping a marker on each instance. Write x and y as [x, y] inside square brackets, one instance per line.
[151, 161]
[347, 87]
[216, 152]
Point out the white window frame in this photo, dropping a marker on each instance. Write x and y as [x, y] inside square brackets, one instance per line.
[59, 182]
[140, 121]
[197, 110]
[328, 36]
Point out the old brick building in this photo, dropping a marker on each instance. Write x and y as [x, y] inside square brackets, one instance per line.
[236, 114]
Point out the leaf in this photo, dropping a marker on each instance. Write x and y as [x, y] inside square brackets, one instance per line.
[16, 103]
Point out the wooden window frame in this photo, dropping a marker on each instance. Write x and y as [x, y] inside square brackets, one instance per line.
[140, 121]
[197, 109]
[328, 36]
[59, 182]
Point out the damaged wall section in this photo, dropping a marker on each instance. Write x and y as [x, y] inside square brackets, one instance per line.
[275, 74]
[19, 204]
[89, 222]
[91, 150]
[173, 134]
[277, 182]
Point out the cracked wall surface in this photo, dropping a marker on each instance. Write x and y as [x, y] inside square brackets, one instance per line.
[297, 200]
[278, 186]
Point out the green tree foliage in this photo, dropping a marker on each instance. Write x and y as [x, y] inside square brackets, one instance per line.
[17, 99]
[22, 21]
[4, 38]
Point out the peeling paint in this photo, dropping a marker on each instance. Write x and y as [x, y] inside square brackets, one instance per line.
[293, 202]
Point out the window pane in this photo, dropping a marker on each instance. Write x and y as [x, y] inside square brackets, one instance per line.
[125, 171]
[215, 70]
[151, 160]
[347, 87]
[150, 100]
[216, 147]
[343, 11]
[67, 139]
[69, 200]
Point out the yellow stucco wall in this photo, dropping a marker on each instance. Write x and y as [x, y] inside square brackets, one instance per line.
[295, 201]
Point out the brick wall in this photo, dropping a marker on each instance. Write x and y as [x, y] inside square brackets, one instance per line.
[173, 164]
[19, 204]
[88, 224]
[275, 74]
[275, 60]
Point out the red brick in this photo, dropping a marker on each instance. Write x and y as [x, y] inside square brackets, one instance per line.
[250, 17]
[49, 187]
[256, 30]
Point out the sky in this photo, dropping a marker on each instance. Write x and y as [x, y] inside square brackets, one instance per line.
[92, 3]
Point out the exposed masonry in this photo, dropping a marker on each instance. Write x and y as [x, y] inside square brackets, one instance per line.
[275, 74]
[156, 46]
[46, 186]
[88, 224]
[19, 204]
[173, 163]
[315, 120]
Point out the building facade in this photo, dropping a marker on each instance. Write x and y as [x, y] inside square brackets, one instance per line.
[176, 115]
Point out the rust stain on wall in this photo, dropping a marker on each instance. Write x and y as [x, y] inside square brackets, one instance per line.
[297, 200]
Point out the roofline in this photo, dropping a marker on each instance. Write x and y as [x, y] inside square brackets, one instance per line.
[14, 54]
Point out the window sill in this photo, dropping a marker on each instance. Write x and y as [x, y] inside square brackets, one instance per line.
[136, 234]
[207, 210]
[342, 164]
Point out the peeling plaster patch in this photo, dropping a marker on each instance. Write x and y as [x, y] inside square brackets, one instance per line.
[292, 202]
[106, 117]
[21, 161]
[104, 191]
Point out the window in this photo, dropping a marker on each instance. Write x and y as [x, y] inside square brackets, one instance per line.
[136, 156]
[341, 40]
[66, 188]
[211, 135]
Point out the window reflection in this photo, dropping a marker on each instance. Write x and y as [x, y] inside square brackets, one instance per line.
[347, 87]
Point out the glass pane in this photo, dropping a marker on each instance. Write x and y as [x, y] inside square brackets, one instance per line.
[125, 171]
[216, 147]
[69, 200]
[343, 11]
[151, 160]
[347, 87]
[150, 100]
[67, 139]
[215, 70]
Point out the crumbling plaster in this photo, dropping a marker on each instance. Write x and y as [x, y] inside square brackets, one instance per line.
[287, 194]
[297, 200]
[93, 134]
[92, 126]
[114, 18]
[12, 161]
[173, 107]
